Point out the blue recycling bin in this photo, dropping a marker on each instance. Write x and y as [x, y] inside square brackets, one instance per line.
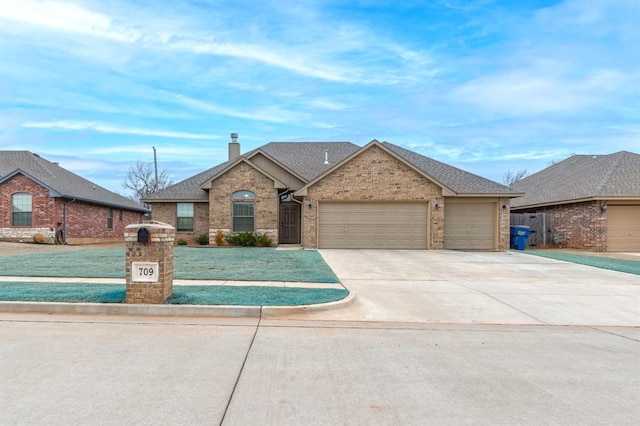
[519, 236]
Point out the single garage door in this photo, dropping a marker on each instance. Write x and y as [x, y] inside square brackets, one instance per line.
[623, 228]
[394, 225]
[469, 225]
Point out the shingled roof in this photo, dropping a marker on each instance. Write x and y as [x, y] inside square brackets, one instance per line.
[306, 160]
[59, 181]
[582, 178]
[454, 179]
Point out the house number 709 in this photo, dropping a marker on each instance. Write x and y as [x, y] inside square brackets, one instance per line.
[146, 272]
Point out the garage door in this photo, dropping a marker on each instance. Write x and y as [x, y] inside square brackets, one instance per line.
[469, 226]
[373, 225]
[623, 228]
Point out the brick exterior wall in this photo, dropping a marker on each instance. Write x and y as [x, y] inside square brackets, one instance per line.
[243, 177]
[374, 175]
[504, 224]
[580, 225]
[45, 213]
[167, 213]
[86, 222]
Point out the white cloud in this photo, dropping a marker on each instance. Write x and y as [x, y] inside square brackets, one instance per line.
[327, 104]
[65, 17]
[270, 114]
[108, 128]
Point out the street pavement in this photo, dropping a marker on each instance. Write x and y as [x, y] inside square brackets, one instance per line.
[432, 337]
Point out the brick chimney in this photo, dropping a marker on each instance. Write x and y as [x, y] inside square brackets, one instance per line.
[234, 147]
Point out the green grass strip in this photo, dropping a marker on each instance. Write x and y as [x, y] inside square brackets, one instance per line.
[254, 295]
[182, 295]
[61, 292]
[620, 265]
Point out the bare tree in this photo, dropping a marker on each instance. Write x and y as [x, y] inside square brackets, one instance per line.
[141, 180]
[509, 178]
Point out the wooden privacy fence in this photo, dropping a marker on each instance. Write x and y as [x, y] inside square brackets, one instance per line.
[541, 228]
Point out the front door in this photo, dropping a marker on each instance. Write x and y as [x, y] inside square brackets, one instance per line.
[289, 223]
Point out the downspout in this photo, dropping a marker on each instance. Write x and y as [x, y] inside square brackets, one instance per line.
[64, 220]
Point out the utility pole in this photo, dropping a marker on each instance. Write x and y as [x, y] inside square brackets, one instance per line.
[155, 163]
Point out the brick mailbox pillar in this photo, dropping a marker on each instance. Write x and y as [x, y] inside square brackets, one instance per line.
[149, 262]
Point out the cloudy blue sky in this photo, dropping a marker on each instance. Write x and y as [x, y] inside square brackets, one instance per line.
[488, 86]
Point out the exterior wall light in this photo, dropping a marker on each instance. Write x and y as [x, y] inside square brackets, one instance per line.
[603, 208]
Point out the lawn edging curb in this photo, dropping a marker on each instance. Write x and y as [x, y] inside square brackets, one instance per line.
[228, 311]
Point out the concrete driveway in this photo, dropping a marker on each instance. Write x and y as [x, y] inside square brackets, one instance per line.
[441, 286]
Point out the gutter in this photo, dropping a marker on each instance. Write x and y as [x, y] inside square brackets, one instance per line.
[64, 219]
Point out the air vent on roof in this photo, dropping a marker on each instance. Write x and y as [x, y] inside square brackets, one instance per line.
[326, 156]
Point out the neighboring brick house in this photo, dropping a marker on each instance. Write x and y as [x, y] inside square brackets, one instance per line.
[339, 195]
[593, 200]
[38, 196]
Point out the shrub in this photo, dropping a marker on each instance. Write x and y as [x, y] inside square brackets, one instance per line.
[243, 239]
[219, 239]
[202, 239]
[39, 238]
[264, 241]
[182, 242]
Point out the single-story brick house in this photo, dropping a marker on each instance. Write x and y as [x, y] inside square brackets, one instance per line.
[339, 195]
[594, 201]
[38, 196]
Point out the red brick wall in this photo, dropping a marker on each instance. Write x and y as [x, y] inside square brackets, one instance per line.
[44, 212]
[86, 223]
[581, 225]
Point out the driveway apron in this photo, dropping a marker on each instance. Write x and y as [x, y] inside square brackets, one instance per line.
[443, 286]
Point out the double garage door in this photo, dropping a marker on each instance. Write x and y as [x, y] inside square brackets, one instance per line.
[403, 225]
[373, 225]
[623, 228]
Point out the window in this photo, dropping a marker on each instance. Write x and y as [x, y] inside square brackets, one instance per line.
[184, 217]
[109, 218]
[243, 211]
[21, 210]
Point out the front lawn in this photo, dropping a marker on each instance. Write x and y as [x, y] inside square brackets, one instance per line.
[190, 263]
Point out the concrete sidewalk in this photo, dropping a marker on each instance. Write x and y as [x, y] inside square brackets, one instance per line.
[115, 370]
